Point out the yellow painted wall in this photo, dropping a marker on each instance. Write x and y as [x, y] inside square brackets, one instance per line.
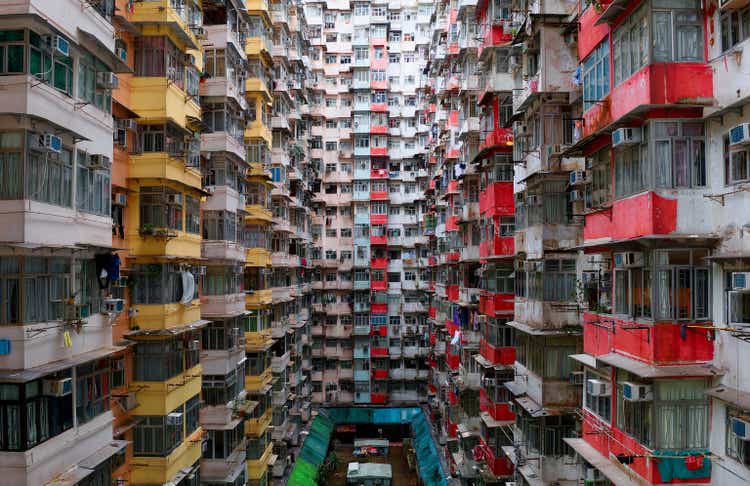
[153, 317]
[161, 397]
[159, 470]
[155, 98]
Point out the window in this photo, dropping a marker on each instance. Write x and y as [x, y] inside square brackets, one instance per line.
[158, 435]
[736, 163]
[596, 75]
[599, 405]
[12, 47]
[736, 447]
[676, 35]
[92, 390]
[635, 418]
[93, 186]
[160, 207]
[735, 27]
[599, 192]
[677, 403]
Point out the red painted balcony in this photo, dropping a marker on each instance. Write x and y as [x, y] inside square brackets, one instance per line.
[379, 107]
[610, 441]
[646, 214]
[591, 35]
[495, 304]
[500, 465]
[433, 338]
[379, 352]
[499, 137]
[497, 355]
[380, 374]
[379, 285]
[452, 397]
[495, 34]
[432, 312]
[378, 240]
[380, 331]
[451, 224]
[497, 199]
[378, 308]
[378, 151]
[379, 174]
[379, 85]
[378, 129]
[499, 246]
[378, 397]
[432, 388]
[378, 218]
[379, 263]
[451, 327]
[432, 261]
[452, 153]
[655, 85]
[453, 256]
[450, 428]
[659, 343]
[379, 195]
[452, 360]
[451, 291]
[499, 411]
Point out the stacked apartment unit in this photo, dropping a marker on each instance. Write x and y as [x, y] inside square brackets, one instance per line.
[156, 228]
[369, 336]
[613, 301]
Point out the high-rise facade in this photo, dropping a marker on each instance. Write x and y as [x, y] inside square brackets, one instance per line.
[219, 216]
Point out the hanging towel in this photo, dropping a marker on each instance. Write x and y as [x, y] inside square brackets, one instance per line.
[188, 288]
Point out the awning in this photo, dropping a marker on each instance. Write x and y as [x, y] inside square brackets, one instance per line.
[645, 370]
[197, 125]
[515, 388]
[584, 359]
[492, 423]
[76, 473]
[102, 52]
[535, 410]
[526, 329]
[730, 395]
[613, 472]
[173, 331]
[182, 474]
[485, 363]
[28, 374]
[612, 11]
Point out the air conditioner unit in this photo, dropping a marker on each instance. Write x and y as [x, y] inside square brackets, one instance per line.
[114, 306]
[740, 428]
[598, 388]
[46, 142]
[578, 177]
[626, 136]
[576, 377]
[99, 162]
[57, 388]
[120, 200]
[107, 80]
[636, 392]
[122, 53]
[740, 135]
[628, 259]
[576, 195]
[61, 45]
[174, 418]
[740, 281]
[174, 199]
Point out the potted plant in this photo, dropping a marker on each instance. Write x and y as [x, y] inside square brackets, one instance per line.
[147, 229]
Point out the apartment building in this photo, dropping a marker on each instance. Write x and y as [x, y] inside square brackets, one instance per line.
[611, 305]
[369, 335]
[57, 238]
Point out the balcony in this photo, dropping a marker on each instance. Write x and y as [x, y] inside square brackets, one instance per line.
[162, 12]
[159, 98]
[681, 84]
[378, 398]
[651, 213]
[498, 246]
[646, 342]
[497, 199]
[222, 305]
[500, 355]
